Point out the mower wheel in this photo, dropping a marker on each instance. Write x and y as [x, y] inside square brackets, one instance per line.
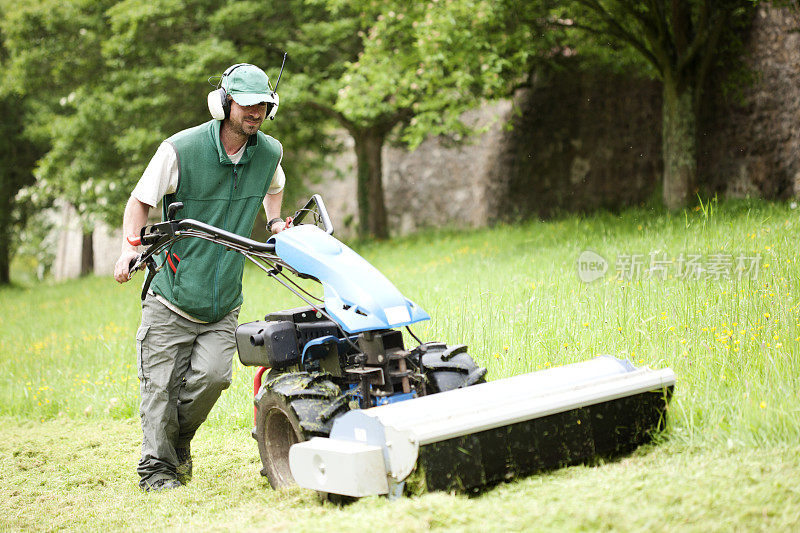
[449, 367]
[293, 408]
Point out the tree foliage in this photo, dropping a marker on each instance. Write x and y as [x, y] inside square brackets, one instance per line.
[419, 67]
[114, 79]
[92, 86]
[19, 153]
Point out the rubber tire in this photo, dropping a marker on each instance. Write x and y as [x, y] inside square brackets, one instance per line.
[284, 418]
[455, 373]
[277, 428]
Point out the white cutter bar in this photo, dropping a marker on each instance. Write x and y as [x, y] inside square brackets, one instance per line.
[373, 451]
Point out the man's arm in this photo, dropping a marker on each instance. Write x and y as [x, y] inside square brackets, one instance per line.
[272, 206]
[274, 199]
[159, 178]
[132, 223]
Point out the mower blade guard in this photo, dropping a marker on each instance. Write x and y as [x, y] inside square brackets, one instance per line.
[356, 294]
[476, 436]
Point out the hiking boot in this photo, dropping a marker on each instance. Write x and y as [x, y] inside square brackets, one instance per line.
[160, 484]
[184, 469]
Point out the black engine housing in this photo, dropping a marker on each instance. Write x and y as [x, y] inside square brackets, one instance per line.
[278, 340]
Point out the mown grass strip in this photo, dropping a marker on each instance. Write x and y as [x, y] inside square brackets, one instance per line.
[79, 475]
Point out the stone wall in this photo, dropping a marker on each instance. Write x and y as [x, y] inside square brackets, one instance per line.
[568, 145]
[582, 142]
[441, 183]
[67, 263]
[446, 184]
[752, 146]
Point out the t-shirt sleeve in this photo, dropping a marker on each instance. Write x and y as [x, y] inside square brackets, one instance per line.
[159, 178]
[278, 181]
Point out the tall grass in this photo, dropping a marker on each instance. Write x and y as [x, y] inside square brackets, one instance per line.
[513, 295]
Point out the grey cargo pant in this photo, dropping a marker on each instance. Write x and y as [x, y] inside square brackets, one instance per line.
[183, 368]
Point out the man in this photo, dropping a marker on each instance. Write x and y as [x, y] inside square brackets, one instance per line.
[222, 171]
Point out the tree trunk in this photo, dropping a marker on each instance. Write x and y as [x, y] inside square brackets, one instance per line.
[372, 219]
[679, 142]
[8, 191]
[87, 254]
[5, 258]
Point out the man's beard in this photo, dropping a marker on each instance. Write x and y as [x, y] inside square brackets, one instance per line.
[240, 129]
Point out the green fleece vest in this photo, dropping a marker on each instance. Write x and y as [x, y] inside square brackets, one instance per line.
[207, 283]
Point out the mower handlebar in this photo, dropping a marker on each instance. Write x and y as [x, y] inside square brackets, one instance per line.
[160, 236]
[163, 234]
[321, 211]
[225, 237]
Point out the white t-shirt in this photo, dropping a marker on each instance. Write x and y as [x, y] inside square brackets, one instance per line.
[161, 177]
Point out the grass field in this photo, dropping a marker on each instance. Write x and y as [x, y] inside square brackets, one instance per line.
[730, 456]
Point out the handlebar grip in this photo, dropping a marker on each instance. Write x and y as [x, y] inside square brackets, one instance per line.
[134, 241]
[134, 265]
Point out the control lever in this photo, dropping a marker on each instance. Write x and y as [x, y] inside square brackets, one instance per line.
[173, 208]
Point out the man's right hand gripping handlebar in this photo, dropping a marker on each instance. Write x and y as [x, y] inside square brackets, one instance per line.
[123, 269]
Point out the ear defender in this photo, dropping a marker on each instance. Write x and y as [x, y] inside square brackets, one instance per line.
[272, 107]
[218, 104]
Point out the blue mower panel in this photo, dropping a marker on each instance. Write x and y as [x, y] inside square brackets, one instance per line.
[356, 294]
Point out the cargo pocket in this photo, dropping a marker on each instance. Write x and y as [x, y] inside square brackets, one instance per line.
[141, 353]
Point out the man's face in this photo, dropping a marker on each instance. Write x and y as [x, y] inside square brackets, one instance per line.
[247, 120]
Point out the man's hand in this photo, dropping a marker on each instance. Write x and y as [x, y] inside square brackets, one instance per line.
[122, 267]
[280, 225]
[132, 222]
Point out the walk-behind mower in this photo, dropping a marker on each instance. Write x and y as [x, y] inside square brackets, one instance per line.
[346, 408]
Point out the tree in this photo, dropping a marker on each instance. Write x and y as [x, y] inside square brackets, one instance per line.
[418, 67]
[17, 159]
[111, 80]
[419, 70]
[321, 43]
[53, 51]
[18, 155]
[680, 41]
[380, 70]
